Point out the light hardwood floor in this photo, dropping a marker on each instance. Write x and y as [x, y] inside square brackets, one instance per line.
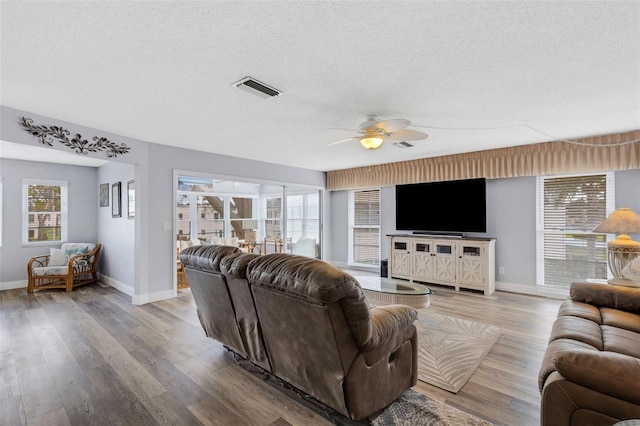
[91, 357]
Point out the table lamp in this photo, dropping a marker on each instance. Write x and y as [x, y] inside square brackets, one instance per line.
[623, 250]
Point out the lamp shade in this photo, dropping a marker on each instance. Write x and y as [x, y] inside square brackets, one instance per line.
[371, 140]
[621, 221]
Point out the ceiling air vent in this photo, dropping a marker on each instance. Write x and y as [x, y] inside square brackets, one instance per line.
[252, 85]
[402, 144]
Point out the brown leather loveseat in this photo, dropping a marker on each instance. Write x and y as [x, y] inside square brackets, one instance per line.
[590, 373]
[308, 324]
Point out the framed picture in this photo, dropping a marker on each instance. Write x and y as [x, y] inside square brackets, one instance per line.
[131, 198]
[104, 195]
[116, 210]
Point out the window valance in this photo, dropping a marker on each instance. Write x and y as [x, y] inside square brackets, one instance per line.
[618, 151]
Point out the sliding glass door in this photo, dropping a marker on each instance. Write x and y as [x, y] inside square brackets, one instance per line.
[263, 217]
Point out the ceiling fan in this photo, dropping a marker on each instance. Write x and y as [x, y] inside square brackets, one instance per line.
[374, 132]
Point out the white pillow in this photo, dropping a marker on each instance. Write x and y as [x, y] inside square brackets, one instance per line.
[57, 257]
[632, 270]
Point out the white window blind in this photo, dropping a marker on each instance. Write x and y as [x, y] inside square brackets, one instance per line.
[569, 207]
[366, 227]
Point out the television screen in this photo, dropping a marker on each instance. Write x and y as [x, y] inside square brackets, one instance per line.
[455, 207]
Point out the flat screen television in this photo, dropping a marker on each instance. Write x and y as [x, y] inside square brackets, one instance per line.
[449, 207]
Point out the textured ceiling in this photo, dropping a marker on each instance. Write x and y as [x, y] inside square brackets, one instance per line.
[472, 75]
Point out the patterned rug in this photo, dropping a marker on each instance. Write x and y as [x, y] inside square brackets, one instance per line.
[450, 349]
[416, 409]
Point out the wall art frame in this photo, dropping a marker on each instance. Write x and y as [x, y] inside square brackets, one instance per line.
[104, 195]
[131, 198]
[116, 197]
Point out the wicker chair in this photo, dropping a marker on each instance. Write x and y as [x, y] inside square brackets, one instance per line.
[72, 265]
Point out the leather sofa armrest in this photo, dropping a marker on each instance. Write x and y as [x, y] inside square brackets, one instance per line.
[610, 373]
[391, 325]
[606, 296]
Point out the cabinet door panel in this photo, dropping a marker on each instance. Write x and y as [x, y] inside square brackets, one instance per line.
[422, 266]
[471, 271]
[444, 268]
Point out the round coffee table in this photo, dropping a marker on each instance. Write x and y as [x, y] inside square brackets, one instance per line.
[386, 291]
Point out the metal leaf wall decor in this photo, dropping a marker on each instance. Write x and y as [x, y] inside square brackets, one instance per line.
[47, 134]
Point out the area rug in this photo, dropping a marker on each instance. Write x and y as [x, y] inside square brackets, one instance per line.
[450, 349]
[416, 409]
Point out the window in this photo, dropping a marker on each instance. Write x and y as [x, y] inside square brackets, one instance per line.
[569, 207]
[303, 221]
[0, 211]
[365, 228]
[44, 211]
[273, 217]
[210, 211]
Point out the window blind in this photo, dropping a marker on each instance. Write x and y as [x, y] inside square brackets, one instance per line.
[366, 227]
[571, 207]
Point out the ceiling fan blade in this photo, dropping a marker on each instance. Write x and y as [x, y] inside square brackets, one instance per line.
[393, 125]
[371, 122]
[407, 135]
[354, 138]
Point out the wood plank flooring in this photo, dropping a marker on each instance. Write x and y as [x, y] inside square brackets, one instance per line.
[90, 357]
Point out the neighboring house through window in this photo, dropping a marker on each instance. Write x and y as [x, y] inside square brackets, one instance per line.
[44, 210]
[364, 224]
[568, 208]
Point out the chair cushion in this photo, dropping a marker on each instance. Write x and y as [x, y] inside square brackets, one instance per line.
[77, 248]
[50, 271]
[183, 244]
[57, 257]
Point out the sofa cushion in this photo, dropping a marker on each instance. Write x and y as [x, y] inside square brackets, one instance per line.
[317, 282]
[610, 373]
[621, 319]
[622, 341]
[580, 310]
[607, 296]
[235, 265]
[205, 257]
[578, 329]
[57, 257]
[548, 361]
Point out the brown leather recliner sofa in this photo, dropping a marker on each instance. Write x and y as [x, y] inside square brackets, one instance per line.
[308, 324]
[590, 373]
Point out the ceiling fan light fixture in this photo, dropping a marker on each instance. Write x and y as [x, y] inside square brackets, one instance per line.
[371, 141]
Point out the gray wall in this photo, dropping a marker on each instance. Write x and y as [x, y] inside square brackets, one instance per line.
[153, 245]
[511, 219]
[83, 205]
[117, 235]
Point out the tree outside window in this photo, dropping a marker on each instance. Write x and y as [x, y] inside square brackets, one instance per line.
[45, 211]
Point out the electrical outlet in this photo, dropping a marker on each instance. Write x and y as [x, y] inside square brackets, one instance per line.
[501, 270]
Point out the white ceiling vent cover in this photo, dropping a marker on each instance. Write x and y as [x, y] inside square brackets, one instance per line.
[251, 85]
[402, 145]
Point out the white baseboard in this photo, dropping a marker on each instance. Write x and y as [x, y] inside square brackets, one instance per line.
[152, 297]
[125, 288]
[531, 290]
[11, 285]
[137, 299]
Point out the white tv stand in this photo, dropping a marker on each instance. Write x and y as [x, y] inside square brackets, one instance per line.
[452, 261]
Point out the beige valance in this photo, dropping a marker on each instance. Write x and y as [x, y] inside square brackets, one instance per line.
[594, 154]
